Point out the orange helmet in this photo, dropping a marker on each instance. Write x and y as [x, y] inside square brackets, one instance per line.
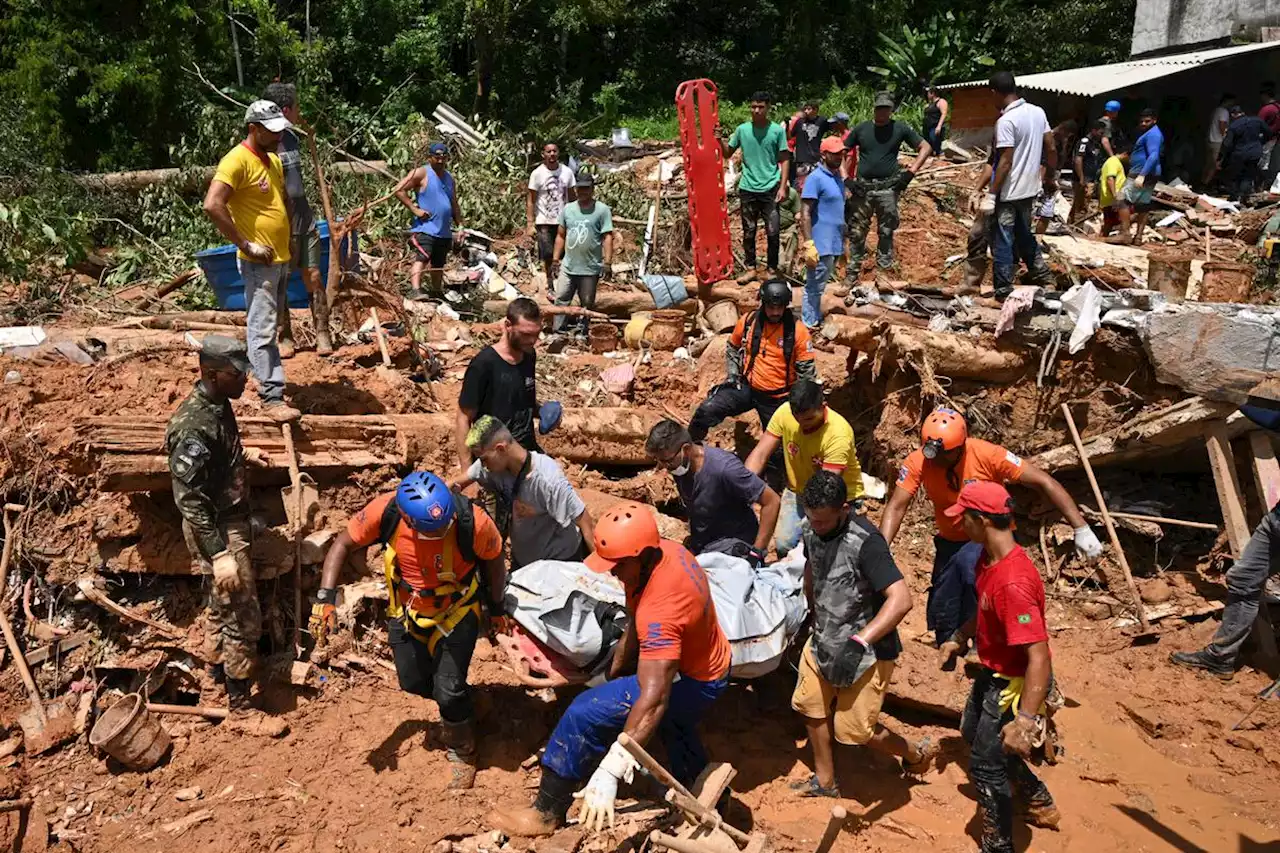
[625, 530]
[943, 430]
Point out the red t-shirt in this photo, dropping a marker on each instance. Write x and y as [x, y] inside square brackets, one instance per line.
[1010, 612]
[676, 617]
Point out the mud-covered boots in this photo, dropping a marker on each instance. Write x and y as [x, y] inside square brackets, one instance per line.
[244, 717]
[320, 319]
[548, 813]
[459, 740]
[284, 338]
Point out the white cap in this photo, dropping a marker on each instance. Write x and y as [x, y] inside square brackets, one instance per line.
[267, 114]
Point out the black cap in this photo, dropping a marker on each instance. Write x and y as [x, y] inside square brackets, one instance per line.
[584, 179]
[223, 351]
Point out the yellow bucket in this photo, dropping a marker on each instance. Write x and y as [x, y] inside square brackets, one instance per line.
[633, 333]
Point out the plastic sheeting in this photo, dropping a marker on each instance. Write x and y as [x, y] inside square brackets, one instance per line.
[573, 610]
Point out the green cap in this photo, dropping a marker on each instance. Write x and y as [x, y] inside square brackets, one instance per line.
[220, 350]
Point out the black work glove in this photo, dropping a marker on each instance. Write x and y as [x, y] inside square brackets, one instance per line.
[905, 177]
[498, 609]
[755, 557]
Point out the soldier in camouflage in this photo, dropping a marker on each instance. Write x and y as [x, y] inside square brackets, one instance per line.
[207, 463]
[857, 597]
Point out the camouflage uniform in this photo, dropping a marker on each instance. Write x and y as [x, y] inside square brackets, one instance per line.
[207, 462]
[867, 198]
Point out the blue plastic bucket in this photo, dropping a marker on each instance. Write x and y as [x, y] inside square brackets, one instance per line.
[223, 273]
[666, 290]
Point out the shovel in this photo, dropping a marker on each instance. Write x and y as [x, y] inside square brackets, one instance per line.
[301, 501]
[42, 728]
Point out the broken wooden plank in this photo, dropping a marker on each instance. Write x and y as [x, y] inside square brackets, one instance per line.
[59, 646]
[1159, 430]
[100, 598]
[942, 353]
[1266, 470]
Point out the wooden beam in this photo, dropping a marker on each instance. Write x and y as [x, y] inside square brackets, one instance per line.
[1266, 470]
[1152, 432]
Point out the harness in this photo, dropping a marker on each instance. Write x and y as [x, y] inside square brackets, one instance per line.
[429, 614]
[755, 330]
[505, 503]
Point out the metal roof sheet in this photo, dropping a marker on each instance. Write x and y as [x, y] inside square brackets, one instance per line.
[1101, 79]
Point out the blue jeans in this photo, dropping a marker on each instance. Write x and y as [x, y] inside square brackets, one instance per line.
[953, 595]
[815, 282]
[594, 720]
[264, 294]
[1012, 229]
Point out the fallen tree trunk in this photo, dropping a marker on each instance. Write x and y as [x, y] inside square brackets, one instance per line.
[936, 353]
[127, 454]
[1151, 432]
[621, 304]
[190, 179]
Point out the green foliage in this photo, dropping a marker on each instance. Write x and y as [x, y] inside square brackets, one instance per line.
[947, 48]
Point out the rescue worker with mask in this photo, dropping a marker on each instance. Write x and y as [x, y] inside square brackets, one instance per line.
[946, 461]
[673, 631]
[442, 559]
[767, 352]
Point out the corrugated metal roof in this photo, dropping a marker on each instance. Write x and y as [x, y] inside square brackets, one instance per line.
[1101, 79]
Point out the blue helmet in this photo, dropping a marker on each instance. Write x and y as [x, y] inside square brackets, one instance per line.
[425, 502]
[1111, 107]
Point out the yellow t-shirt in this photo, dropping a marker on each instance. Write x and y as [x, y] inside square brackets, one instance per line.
[1113, 168]
[257, 198]
[830, 446]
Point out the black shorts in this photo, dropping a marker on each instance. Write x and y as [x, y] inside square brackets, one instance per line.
[433, 251]
[547, 241]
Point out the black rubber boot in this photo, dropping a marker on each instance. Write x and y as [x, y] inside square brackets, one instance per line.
[239, 694]
[1201, 660]
[460, 742]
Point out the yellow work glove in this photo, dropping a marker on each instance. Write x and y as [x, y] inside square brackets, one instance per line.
[226, 573]
[323, 622]
[810, 251]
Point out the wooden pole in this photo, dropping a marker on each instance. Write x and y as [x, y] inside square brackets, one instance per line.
[683, 798]
[835, 823]
[1106, 520]
[188, 710]
[1159, 519]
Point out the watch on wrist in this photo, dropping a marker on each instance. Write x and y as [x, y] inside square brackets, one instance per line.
[865, 645]
[327, 595]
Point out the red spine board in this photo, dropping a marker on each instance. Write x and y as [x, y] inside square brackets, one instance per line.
[698, 107]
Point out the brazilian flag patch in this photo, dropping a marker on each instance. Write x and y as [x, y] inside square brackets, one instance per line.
[1024, 618]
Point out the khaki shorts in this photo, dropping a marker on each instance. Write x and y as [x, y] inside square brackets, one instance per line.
[853, 710]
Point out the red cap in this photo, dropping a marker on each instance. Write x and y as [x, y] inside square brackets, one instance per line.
[983, 496]
[832, 145]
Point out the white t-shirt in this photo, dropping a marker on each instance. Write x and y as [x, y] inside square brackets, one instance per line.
[1022, 127]
[1215, 133]
[550, 187]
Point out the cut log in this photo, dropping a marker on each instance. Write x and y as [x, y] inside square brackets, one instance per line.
[191, 179]
[941, 353]
[1160, 430]
[127, 455]
[621, 304]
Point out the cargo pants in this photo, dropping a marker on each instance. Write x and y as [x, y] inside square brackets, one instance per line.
[861, 206]
[233, 621]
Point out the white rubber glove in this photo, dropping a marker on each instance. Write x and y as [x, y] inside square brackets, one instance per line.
[260, 253]
[988, 203]
[226, 573]
[1139, 181]
[602, 790]
[1087, 544]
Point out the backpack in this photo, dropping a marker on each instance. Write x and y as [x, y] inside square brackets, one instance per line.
[754, 329]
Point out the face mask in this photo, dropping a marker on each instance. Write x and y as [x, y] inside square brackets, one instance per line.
[682, 469]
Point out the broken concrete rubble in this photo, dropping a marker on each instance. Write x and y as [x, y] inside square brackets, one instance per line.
[1218, 351]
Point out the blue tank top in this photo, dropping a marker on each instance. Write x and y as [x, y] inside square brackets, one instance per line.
[436, 198]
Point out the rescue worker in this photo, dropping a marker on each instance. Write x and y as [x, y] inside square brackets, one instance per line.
[946, 461]
[1246, 590]
[767, 352]
[1004, 718]
[537, 505]
[811, 438]
[442, 559]
[857, 597]
[669, 598]
[718, 492]
[207, 463]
